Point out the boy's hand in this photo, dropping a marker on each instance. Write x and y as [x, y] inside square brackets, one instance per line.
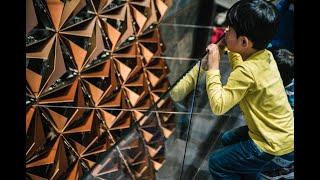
[213, 56]
[204, 62]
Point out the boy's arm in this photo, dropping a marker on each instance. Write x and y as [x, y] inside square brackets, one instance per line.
[223, 98]
[186, 84]
[235, 59]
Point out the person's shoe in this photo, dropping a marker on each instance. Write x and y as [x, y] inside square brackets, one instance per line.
[284, 173]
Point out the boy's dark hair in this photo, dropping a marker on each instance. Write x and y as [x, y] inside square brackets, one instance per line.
[258, 20]
[285, 62]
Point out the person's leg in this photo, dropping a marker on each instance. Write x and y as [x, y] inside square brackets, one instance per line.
[235, 135]
[280, 167]
[236, 160]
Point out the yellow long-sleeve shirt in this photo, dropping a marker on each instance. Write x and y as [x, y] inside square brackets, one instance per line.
[257, 86]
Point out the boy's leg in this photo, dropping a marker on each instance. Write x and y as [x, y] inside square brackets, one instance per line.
[238, 159]
[280, 167]
[235, 135]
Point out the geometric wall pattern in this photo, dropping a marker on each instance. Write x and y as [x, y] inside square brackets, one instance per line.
[93, 68]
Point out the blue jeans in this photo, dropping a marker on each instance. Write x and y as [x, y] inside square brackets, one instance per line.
[241, 158]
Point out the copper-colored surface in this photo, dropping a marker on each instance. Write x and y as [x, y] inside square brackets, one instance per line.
[55, 8]
[78, 53]
[146, 53]
[97, 45]
[129, 30]
[29, 116]
[44, 50]
[145, 3]
[68, 97]
[71, 7]
[112, 33]
[89, 63]
[30, 16]
[35, 133]
[85, 31]
[58, 66]
[34, 81]
[140, 18]
[162, 7]
[153, 16]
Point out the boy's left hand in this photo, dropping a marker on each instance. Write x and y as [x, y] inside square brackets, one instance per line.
[213, 56]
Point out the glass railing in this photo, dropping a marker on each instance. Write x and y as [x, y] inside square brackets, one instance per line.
[99, 76]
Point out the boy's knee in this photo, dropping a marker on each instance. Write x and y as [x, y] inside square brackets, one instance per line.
[218, 167]
[213, 164]
[225, 138]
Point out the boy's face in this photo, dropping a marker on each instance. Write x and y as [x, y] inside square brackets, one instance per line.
[233, 43]
[240, 44]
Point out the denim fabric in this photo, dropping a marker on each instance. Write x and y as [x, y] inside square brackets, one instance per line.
[241, 158]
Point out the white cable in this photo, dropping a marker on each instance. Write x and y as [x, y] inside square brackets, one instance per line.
[187, 25]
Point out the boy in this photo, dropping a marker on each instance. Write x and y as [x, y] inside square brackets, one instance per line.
[266, 143]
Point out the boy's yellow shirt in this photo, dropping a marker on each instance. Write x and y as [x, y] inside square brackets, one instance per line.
[257, 86]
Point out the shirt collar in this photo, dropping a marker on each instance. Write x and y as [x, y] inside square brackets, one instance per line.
[260, 55]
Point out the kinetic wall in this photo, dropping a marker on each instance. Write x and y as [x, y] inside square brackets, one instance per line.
[93, 69]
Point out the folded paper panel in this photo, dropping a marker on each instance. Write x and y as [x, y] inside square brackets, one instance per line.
[92, 73]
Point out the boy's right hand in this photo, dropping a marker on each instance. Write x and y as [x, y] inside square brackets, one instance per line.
[213, 56]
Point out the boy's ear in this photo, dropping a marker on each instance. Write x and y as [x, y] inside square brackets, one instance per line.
[245, 42]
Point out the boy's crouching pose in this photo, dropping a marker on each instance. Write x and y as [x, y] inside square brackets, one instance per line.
[267, 142]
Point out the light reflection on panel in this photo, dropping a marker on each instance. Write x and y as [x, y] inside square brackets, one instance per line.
[201, 99]
[205, 130]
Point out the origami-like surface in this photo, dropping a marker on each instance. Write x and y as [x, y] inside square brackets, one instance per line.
[89, 63]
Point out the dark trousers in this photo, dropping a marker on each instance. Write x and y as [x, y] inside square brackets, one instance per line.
[241, 158]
